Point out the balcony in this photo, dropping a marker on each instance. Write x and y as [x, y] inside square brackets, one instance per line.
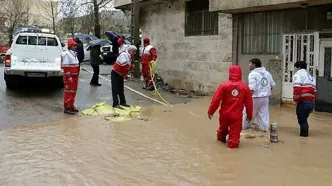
[236, 6]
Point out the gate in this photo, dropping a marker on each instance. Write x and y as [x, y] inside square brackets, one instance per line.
[297, 47]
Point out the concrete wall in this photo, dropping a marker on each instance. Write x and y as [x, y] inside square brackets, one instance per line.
[235, 6]
[197, 63]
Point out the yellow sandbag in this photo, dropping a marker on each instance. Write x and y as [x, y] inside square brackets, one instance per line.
[123, 112]
[94, 114]
[114, 114]
[135, 108]
[88, 112]
[104, 110]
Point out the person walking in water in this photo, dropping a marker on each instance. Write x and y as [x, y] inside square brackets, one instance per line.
[260, 82]
[71, 69]
[231, 96]
[304, 94]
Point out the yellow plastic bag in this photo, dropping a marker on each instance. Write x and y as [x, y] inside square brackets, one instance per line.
[88, 111]
[104, 110]
[114, 114]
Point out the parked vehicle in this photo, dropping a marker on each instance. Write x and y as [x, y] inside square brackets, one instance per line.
[3, 50]
[107, 54]
[33, 55]
[26, 29]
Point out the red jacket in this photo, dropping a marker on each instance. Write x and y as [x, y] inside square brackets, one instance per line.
[304, 88]
[123, 64]
[232, 96]
[149, 53]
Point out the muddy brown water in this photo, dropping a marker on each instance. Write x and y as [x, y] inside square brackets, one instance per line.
[176, 146]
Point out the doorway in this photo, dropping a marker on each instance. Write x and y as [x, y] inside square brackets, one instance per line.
[298, 47]
[324, 78]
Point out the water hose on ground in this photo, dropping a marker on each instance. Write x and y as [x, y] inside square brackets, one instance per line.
[152, 66]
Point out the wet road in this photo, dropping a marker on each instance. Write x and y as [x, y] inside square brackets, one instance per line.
[174, 146]
[37, 104]
[177, 147]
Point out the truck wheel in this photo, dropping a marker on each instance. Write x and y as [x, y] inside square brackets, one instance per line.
[59, 82]
[10, 82]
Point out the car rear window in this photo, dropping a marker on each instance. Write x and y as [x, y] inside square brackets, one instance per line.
[32, 40]
[42, 41]
[51, 41]
[22, 40]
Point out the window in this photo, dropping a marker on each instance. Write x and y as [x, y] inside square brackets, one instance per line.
[262, 38]
[51, 41]
[32, 40]
[42, 41]
[22, 40]
[199, 20]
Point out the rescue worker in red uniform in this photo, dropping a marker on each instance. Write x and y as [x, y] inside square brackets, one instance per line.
[71, 69]
[123, 47]
[304, 94]
[120, 72]
[149, 54]
[232, 96]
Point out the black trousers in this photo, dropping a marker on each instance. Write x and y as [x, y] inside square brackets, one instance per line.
[95, 76]
[117, 88]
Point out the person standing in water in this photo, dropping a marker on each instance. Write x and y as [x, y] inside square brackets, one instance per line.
[261, 84]
[304, 94]
[231, 96]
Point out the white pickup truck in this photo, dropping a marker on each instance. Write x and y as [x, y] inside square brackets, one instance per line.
[33, 55]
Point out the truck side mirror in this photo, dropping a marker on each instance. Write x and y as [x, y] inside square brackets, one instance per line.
[63, 45]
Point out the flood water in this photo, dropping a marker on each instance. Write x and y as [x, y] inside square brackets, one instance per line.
[176, 146]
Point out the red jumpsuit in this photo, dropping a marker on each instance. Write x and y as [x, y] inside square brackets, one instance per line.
[231, 96]
[71, 70]
[149, 54]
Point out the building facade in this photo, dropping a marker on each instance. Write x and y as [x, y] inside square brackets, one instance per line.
[194, 45]
[279, 32]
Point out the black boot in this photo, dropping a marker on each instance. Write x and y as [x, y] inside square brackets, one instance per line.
[304, 132]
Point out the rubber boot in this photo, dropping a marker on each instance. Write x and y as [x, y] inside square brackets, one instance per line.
[304, 131]
[68, 111]
[221, 137]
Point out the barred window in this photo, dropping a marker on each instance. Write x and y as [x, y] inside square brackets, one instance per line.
[261, 33]
[199, 20]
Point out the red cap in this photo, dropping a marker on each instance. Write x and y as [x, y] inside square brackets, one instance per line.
[146, 40]
[71, 43]
[120, 41]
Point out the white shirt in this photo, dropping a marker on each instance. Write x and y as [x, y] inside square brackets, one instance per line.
[123, 59]
[69, 58]
[260, 82]
[303, 78]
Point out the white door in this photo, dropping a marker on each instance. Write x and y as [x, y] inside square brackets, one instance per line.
[298, 47]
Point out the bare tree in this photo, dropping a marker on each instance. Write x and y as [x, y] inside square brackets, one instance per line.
[15, 14]
[114, 20]
[50, 11]
[69, 10]
[97, 6]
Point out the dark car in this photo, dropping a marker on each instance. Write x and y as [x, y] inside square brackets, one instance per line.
[108, 55]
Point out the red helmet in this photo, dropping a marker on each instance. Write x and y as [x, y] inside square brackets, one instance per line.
[71, 43]
[146, 40]
[120, 41]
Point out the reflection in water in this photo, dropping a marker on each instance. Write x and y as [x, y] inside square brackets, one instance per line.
[172, 148]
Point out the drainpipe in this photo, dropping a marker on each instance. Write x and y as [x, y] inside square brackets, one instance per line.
[237, 40]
